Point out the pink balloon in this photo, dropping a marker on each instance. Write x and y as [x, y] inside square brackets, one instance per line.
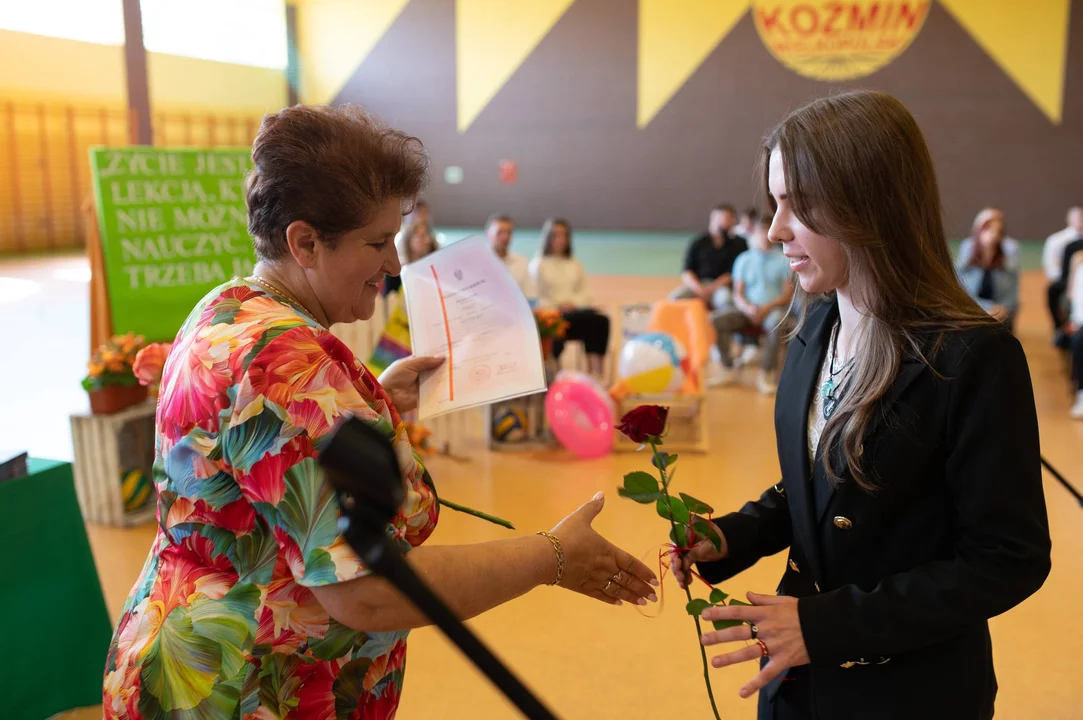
[581, 414]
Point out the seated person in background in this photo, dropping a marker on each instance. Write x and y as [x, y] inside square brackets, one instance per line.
[419, 214]
[561, 282]
[1053, 264]
[499, 229]
[988, 275]
[709, 261]
[747, 224]
[1072, 251]
[762, 292]
[1010, 245]
[1074, 327]
[413, 243]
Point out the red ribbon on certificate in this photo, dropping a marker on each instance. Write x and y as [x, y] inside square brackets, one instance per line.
[447, 332]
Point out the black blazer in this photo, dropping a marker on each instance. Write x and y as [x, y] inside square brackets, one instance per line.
[896, 587]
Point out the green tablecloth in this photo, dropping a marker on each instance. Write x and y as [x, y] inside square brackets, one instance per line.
[54, 626]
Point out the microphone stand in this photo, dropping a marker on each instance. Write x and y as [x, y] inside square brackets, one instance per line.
[1060, 478]
[358, 451]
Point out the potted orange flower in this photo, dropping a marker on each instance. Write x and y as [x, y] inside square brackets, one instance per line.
[420, 438]
[551, 326]
[110, 381]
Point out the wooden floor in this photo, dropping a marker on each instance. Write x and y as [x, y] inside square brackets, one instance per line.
[588, 660]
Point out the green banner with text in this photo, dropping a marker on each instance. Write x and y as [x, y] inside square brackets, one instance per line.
[173, 226]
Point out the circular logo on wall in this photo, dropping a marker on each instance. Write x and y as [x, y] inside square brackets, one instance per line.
[837, 40]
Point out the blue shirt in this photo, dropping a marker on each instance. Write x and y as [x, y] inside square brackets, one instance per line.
[765, 274]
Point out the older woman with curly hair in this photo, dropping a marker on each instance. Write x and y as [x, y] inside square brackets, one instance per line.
[251, 604]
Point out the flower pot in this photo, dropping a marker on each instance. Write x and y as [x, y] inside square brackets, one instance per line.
[114, 398]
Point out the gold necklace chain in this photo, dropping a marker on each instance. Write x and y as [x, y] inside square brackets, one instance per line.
[278, 290]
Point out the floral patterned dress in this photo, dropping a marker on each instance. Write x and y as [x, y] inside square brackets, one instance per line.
[222, 622]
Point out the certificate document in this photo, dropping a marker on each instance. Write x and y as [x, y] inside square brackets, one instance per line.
[464, 305]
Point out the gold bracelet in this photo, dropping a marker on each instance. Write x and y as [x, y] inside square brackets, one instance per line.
[560, 555]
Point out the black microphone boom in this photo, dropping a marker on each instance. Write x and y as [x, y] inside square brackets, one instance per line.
[1060, 478]
[361, 465]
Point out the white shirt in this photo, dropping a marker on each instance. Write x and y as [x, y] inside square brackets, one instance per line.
[1053, 252]
[519, 268]
[560, 281]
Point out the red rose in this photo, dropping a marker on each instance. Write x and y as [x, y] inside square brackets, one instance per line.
[644, 422]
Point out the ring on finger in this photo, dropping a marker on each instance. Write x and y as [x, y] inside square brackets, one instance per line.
[606, 588]
[619, 576]
[755, 631]
[764, 652]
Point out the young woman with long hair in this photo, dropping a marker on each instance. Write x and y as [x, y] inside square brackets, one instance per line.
[561, 283]
[988, 273]
[911, 500]
[414, 242]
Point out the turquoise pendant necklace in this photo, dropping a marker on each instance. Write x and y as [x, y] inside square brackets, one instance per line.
[830, 386]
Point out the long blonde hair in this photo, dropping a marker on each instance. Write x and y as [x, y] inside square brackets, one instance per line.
[858, 170]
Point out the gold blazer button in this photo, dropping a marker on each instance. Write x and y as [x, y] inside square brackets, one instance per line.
[843, 523]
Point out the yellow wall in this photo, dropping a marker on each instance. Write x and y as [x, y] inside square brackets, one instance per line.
[182, 83]
[33, 67]
[333, 39]
[44, 68]
[60, 97]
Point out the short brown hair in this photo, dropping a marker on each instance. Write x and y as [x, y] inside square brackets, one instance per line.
[332, 167]
[498, 217]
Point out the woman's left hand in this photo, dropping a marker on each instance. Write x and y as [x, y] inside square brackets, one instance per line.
[777, 626]
[401, 377]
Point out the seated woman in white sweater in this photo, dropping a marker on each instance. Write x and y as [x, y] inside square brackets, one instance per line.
[562, 283]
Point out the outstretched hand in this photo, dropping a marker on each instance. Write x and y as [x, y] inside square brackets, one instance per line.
[596, 567]
[400, 380]
[778, 627]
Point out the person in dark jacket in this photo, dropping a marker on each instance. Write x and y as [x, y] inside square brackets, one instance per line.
[911, 501]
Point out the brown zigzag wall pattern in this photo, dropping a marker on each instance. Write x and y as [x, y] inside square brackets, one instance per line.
[568, 118]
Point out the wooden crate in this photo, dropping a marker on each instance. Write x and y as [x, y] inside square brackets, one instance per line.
[686, 427]
[539, 435]
[106, 446]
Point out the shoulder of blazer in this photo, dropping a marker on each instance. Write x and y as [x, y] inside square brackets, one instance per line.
[985, 345]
